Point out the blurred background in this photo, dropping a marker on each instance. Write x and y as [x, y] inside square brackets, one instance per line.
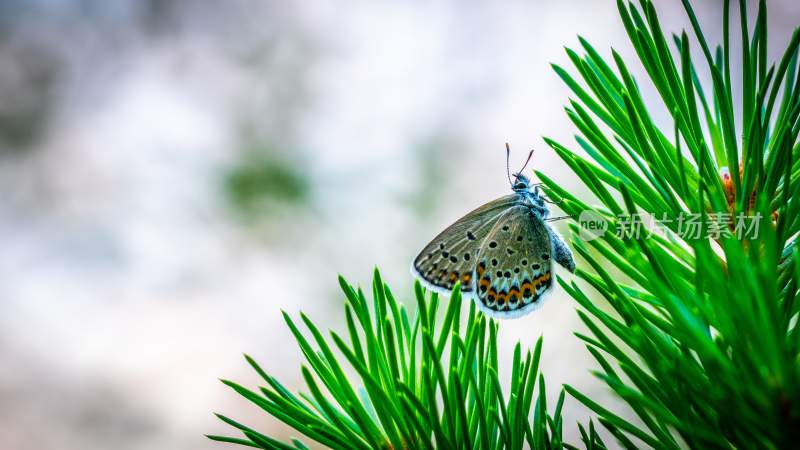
[174, 173]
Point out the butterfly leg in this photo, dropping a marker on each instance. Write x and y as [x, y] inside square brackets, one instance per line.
[562, 253]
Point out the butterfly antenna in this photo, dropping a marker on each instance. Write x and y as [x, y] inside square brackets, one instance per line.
[530, 155]
[508, 165]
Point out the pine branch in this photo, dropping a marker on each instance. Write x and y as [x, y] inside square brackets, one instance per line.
[423, 381]
[702, 340]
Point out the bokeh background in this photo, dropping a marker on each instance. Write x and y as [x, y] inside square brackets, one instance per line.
[174, 173]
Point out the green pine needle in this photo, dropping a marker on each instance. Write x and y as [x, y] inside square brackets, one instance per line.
[423, 381]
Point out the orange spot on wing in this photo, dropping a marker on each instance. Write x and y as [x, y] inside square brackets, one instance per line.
[491, 296]
[542, 280]
[501, 298]
[513, 298]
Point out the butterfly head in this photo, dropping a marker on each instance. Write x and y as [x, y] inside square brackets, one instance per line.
[521, 183]
[530, 194]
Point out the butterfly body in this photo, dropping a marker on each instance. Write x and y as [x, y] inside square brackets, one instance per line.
[502, 253]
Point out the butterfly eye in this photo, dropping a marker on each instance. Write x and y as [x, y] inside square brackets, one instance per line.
[520, 186]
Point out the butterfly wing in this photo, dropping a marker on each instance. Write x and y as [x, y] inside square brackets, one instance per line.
[451, 255]
[514, 270]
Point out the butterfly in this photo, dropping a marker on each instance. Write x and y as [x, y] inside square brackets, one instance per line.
[502, 253]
